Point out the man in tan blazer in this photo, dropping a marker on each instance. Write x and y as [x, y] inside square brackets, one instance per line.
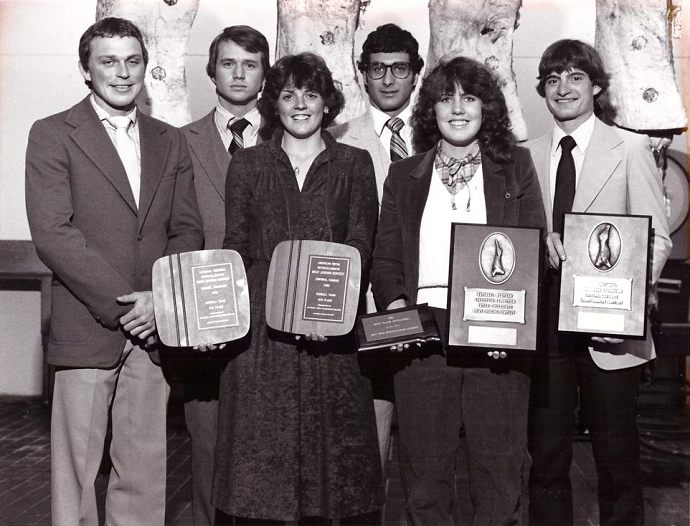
[390, 66]
[615, 173]
[108, 191]
[237, 65]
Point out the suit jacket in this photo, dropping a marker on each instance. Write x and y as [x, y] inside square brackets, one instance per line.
[210, 159]
[619, 176]
[359, 132]
[89, 232]
[512, 196]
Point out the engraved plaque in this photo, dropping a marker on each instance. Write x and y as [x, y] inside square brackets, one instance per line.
[382, 330]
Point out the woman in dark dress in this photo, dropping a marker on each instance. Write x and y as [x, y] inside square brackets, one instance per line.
[471, 172]
[296, 430]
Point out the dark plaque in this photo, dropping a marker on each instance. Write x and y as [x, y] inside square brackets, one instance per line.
[604, 278]
[313, 286]
[409, 325]
[200, 297]
[494, 286]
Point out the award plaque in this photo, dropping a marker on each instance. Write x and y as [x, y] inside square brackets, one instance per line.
[604, 278]
[200, 297]
[408, 325]
[313, 286]
[494, 286]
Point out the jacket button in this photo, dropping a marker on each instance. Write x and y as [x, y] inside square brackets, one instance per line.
[507, 195]
[140, 237]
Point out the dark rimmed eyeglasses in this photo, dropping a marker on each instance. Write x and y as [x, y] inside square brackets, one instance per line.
[377, 70]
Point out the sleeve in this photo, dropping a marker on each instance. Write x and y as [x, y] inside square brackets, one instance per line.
[646, 197]
[186, 231]
[59, 244]
[238, 198]
[363, 212]
[388, 270]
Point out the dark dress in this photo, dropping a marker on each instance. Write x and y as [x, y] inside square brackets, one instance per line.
[296, 428]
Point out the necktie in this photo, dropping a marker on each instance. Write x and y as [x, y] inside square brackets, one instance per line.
[127, 151]
[398, 148]
[237, 129]
[565, 183]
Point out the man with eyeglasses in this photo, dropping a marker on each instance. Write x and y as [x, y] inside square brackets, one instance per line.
[390, 66]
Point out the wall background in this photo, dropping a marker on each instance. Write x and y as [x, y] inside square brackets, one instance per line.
[39, 76]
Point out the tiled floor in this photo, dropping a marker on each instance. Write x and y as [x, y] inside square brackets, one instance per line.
[25, 471]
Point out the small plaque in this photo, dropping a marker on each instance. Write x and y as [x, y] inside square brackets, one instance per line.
[494, 286]
[200, 297]
[313, 286]
[382, 330]
[604, 278]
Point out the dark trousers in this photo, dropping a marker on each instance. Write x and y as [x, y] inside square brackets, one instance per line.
[609, 400]
[433, 401]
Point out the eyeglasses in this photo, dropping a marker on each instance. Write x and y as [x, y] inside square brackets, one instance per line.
[378, 70]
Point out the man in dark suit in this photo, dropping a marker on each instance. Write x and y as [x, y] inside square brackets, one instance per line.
[108, 191]
[237, 65]
[608, 171]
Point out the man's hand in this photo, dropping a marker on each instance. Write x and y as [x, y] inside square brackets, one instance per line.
[556, 250]
[311, 337]
[607, 339]
[139, 321]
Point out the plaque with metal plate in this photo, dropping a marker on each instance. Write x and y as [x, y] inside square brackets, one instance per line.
[313, 286]
[409, 325]
[604, 278]
[200, 297]
[494, 286]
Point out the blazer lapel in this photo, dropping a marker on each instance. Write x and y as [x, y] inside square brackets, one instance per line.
[361, 131]
[540, 149]
[418, 194]
[155, 146]
[92, 138]
[494, 191]
[600, 162]
[208, 148]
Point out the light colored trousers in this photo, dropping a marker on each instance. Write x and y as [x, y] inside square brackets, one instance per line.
[136, 394]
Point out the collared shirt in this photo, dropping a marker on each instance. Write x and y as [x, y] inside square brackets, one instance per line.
[132, 131]
[582, 136]
[380, 119]
[224, 118]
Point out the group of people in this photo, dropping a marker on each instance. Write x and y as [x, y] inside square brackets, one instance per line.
[296, 429]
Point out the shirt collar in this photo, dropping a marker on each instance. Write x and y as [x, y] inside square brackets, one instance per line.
[582, 135]
[380, 119]
[224, 117]
[104, 115]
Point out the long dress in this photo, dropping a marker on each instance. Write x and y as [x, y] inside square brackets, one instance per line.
[296, 428]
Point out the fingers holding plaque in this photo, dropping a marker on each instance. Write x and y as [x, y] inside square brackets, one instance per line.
[494, 287]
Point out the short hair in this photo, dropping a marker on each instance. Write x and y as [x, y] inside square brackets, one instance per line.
[109, 27]
[390, 38]
[247, 38]
[495, 135]
[567, 54]
[305, 70]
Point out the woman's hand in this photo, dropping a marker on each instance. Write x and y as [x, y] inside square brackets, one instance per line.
[397, 304]
[206, 347]
[497, 354]
[311, 337]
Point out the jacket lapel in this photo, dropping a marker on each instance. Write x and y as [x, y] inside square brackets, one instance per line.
[600, 162]
[207, 146]
[494, 191]
[92, 138]
[362, 134]
[418, 194]
[155, 147]
[540, 149]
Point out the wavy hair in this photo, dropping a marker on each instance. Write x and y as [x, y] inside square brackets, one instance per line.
[307, 71]
[495, 135]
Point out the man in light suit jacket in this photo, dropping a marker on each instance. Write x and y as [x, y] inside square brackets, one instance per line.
[237, 65]
[108, 191]
[390, 66]
[615, 173]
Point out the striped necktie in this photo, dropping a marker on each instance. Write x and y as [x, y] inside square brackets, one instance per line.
[398, 148]
[237, 129]
[127, 151]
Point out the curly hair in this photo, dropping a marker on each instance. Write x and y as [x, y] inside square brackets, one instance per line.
[495, 135]
[566, 55]
[390, 38]
[305, 70]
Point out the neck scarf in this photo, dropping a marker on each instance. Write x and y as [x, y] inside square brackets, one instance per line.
[456, 173]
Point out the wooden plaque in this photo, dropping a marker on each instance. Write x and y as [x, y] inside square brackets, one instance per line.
[313, 286]
[200, 297]
[494, 286]
[605, 275]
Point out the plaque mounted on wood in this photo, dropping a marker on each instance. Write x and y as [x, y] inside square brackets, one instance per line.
[604, 279]
[200, 297]
[313, 286]
[494, 286]
[409, 325]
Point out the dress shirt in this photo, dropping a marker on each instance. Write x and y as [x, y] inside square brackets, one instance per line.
[133, 130]
[582, 135]
[223, 118]
[380, 119]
